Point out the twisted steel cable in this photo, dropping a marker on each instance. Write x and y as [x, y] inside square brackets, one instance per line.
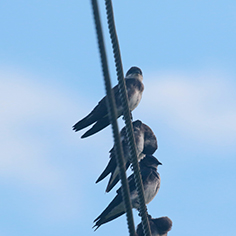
[112, 117]
[127, 117]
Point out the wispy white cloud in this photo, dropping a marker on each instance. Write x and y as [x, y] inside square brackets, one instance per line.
[35, 119]
[38, 150]
[202, 105]
[25, 103]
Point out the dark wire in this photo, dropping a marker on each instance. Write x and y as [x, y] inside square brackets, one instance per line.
[127, 116]
[113, 121]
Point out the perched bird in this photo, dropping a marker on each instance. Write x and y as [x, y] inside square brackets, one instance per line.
[146, 143]
[159, 226]
[99, 114]
[151, 184]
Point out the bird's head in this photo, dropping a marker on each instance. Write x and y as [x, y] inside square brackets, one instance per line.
[134, 72]
[137, 123]
[150, 161]
[163, 224]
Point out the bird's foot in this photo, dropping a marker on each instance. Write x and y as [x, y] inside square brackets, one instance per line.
[149, 216]
[131, 116]
[131, 166]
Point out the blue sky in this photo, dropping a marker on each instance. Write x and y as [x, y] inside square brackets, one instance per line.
[51, 77]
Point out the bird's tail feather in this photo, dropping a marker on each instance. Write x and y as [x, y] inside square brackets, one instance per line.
[109, 169]
[99, 125]
[86, 121]
[102, 221]
[112, 182]
[113, 204]
[115, 177]
[110, 213]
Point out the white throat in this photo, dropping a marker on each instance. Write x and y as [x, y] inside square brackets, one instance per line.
[134, 76]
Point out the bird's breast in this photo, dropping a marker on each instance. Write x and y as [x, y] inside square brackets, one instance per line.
[151, 190]
[139, 139]
[134, 99]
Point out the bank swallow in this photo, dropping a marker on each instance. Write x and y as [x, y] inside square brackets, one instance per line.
[151, 184]
[99, 114]
[146, 143]
[159, 226]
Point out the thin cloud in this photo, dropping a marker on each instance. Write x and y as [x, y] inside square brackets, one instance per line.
[200, 105]
[24, 104]
[35, 119]
[39, 150]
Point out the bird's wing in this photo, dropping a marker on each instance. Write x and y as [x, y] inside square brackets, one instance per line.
[113, 210]
[131, 184]
[102, 114]
[97, 113]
